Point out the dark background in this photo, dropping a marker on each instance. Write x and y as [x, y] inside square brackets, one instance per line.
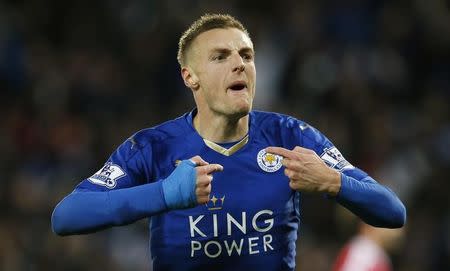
[78, 77]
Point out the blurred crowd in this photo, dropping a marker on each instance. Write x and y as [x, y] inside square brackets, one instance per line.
[77, 78]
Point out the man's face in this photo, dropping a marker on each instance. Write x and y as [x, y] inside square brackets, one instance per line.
[222, 62]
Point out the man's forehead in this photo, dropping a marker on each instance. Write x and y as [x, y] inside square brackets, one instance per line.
[224, 38]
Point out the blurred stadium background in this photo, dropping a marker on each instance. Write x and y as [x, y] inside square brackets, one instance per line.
[77, 78]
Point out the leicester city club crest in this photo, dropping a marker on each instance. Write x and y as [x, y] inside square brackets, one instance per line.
[269, 162]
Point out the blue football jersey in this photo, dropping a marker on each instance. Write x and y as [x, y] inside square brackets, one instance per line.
[252, 217]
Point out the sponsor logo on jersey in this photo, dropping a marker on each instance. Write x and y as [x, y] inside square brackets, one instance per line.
[225, 234]
[107, 175]
[269, 162]
[334, 159]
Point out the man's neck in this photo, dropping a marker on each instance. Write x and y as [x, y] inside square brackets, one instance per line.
[220, 128]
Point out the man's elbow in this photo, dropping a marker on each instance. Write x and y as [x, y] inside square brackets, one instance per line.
[399, 216]
[63, 220]
[392, 218]
[58, 221]
[395, 219]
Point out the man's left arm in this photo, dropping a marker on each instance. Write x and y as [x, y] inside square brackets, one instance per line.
[374, 203]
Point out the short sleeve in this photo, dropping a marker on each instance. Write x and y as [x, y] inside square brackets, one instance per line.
[126, 167]
[311, 138]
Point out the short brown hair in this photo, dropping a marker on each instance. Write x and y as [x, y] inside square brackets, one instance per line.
[203, 24]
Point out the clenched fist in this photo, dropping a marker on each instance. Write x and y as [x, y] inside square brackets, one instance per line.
[189, 184]
[204, 178]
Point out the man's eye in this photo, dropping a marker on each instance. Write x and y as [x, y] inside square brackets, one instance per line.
[247, 56]
[218, 57]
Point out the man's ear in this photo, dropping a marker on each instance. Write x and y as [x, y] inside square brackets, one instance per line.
[189, 78]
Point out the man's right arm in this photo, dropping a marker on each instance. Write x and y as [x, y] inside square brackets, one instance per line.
[86, 210]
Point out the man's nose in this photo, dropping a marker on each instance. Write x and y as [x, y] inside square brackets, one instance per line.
[238, 63]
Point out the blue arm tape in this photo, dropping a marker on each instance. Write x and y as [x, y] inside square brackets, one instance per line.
[179, 187]
[85, 211]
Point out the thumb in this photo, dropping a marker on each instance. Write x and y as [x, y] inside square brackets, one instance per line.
[198, 161]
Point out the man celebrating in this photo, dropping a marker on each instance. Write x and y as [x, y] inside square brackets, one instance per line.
[221, 184]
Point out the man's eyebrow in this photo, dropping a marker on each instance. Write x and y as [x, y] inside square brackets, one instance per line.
[219, 50]
[246, 50]
[226, 50]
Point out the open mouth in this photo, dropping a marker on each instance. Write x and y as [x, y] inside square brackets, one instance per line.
[238, 86]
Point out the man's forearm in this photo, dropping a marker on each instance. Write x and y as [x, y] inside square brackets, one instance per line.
[89, 211]
[373, 203]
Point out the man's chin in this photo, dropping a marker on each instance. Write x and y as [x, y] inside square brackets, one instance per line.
[236, 111]
[240, 112]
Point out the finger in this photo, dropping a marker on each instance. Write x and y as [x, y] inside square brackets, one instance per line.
[282, 152]
[286, 162]
[198, 161]
[208, 169]
[293, 185]
[208, 189]
[303, 150]
[289, 173]
[204, 180]
[203, 199]
[203, 191]
[295, 165]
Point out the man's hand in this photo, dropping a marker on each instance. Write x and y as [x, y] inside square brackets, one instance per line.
[189, 184]
[204, 178]
[307, 172]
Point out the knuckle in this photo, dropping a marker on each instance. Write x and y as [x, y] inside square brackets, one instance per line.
[288, 173]
[293, 185]
[201, 192]
[202, 200]
[198, 192]
[213, 167]
[200, 170]
[206, 178]
[201, 182]
[194, 159]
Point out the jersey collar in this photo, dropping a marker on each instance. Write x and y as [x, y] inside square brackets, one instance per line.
[216, 147]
